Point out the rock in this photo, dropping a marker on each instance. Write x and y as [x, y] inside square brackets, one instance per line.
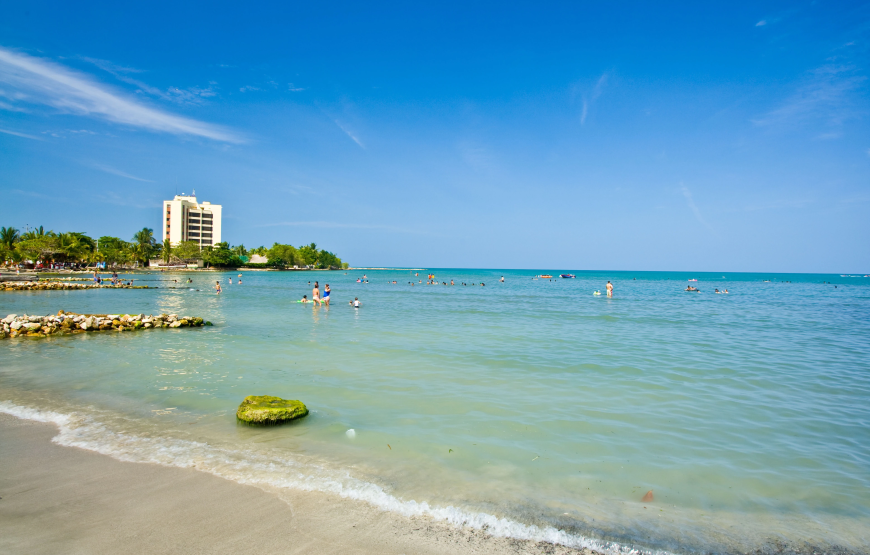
[266, 409]
[32, 326]
[148, 325]
[648, 498]
[16, 325]
[9, 319]
[175, 325]
[116, 322]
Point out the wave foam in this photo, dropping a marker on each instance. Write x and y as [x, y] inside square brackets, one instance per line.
[82, 431]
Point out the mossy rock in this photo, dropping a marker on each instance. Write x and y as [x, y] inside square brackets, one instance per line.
[266, 409]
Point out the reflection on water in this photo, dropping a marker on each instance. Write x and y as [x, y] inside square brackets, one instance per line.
[530, 399]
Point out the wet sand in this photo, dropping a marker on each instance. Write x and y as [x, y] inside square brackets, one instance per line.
[56, 499]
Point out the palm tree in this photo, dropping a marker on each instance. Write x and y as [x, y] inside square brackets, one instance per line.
[144, 242]
[69, 247]
[96, 256]
[9, 236]
[167, 250]
[36, 233]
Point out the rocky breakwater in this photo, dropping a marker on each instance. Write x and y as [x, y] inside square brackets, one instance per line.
[69, 322]
[61, 286]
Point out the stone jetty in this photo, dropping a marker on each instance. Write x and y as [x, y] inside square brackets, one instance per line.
[61, 286]
[69, 322]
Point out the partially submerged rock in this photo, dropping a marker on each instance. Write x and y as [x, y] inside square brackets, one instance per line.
[70, 322]
[266, 409]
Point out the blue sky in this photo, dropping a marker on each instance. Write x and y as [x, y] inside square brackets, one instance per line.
[577, 135]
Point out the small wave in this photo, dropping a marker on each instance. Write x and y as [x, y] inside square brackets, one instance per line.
[251, 468]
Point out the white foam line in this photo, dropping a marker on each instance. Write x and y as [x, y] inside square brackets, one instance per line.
[253, 469]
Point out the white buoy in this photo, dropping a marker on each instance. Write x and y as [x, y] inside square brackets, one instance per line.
[350, 433]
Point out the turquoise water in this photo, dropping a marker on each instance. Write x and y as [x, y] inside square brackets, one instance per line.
[531, 407]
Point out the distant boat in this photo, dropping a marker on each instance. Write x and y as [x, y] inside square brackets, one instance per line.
[545, 276]
[566, 276]
[693, 280]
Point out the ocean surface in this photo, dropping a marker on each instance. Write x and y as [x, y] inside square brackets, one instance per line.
[530, 408]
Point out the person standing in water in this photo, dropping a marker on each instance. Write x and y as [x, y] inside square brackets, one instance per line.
[217, 286]
[609, 289]
[326, 295]
[315, 293]
[502, 279]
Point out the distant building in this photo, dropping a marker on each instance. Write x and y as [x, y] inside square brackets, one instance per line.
[257, 259]
[185, 219]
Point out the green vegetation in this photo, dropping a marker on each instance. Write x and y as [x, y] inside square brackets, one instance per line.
[77, 248]
[308, 255]
[266, 409]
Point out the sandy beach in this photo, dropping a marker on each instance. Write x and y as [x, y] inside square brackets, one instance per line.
[56, 499]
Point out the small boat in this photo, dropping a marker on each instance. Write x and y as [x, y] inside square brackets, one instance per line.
[545, 276]
[567, 276]
[693, 280]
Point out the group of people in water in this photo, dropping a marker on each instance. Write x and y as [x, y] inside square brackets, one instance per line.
[692, 288]
[217, 284]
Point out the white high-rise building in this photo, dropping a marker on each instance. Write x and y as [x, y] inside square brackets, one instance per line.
[185, 219]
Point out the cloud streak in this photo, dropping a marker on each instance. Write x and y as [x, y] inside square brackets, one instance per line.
[17, 134]
[119, 173]
[694, 208]
[349, 134]
[592, 97]
[826, 94]
[39, 81]
[345, 225]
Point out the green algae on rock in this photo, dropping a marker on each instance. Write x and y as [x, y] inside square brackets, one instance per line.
[266, 409]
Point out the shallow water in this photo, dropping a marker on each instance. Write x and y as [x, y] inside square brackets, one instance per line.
[529, 401]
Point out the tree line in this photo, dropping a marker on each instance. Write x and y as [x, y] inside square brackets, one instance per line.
[39, 245]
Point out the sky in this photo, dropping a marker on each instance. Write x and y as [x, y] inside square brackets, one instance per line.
[564, 136]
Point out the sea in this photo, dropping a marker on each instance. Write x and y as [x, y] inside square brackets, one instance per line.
[529, 408]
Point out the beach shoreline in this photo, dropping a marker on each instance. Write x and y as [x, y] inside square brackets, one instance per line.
[64, 499]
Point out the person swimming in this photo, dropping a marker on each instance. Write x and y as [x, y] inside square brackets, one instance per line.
[354, 303]
[304, 299]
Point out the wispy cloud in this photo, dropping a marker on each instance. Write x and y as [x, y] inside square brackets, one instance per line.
[694, 208]
[43, 196]
[826, 94]
[111, 197]
[40, 81]
[349, 134]
[761, 23]
[17, 134]
[294, 88]
[119, 173]
[191, 95]
[590, 98]
[346, 225]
